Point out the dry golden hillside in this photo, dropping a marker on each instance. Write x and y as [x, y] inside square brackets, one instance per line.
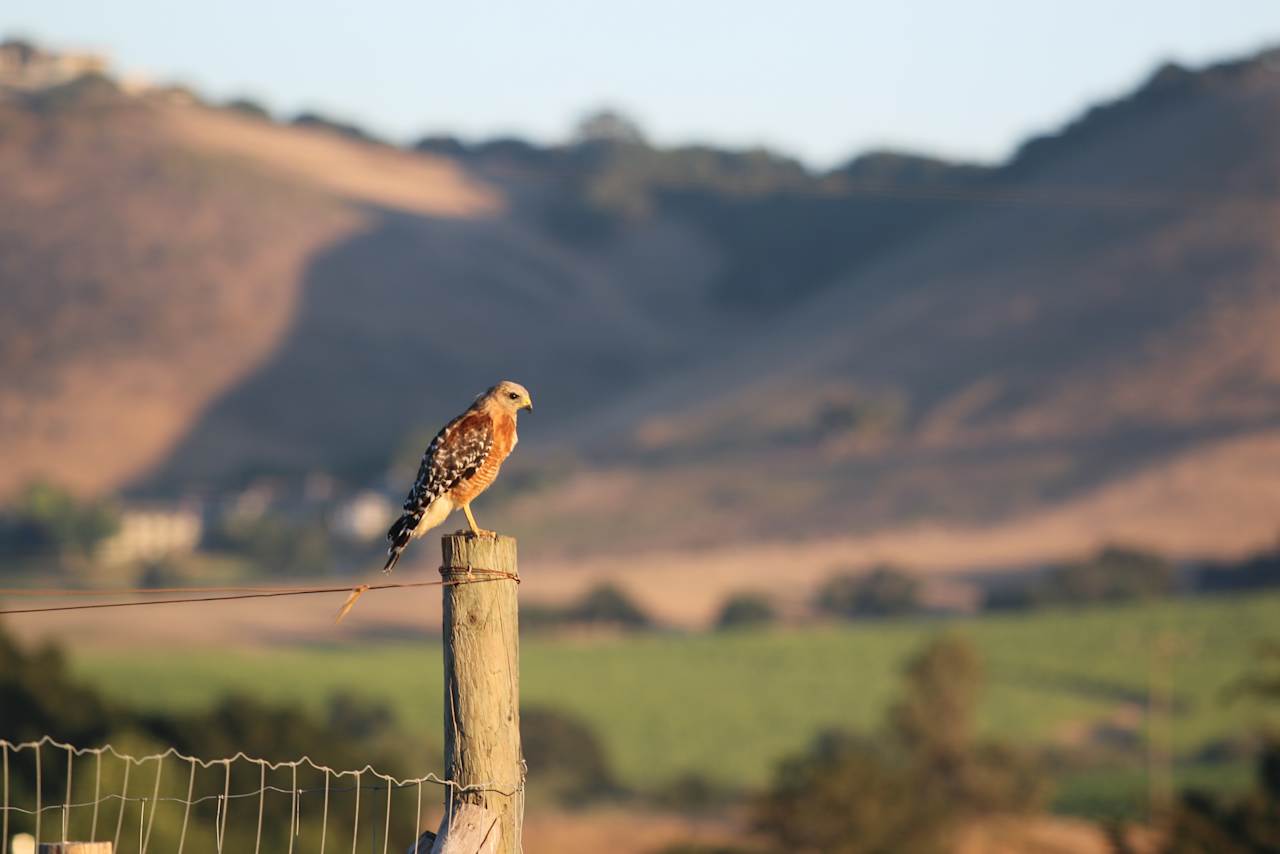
[1075, 346]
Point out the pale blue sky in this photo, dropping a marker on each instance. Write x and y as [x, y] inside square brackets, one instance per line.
[821, 80]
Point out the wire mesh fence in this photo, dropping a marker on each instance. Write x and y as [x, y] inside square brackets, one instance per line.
[171, 802]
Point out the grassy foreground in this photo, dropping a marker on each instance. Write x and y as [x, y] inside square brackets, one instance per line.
[727, 706]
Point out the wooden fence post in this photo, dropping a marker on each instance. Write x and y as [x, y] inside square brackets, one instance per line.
[75, 848]
[481, 697]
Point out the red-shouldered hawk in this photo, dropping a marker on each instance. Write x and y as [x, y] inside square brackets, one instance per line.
[460, 463]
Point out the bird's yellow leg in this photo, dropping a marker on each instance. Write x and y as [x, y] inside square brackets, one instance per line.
[475, 529]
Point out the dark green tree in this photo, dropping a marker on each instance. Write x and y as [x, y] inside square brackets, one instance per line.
[849, 796]
[607, 603]
[744, 610]
[904, 793]
[885, 591]
[935, 723]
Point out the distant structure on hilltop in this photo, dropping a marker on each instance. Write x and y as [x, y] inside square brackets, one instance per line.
[25, 66]
[152, 532]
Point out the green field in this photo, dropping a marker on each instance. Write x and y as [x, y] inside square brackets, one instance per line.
[727, 706]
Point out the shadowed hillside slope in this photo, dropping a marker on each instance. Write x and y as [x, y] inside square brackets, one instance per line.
[1102, 308]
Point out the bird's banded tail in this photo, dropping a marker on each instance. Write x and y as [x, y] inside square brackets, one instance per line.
[399, 535]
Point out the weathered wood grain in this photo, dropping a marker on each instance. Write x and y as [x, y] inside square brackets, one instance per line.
[481, 693]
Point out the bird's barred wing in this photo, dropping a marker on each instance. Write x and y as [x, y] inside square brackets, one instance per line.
[453, 455]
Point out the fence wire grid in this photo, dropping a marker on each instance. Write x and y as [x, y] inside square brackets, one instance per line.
[97, 804]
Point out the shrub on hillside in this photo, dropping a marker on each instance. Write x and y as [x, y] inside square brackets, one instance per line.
[885, 591]
[249, 107]
[1114, 574]
[1259, 571]
[92, 88]
[745, 610]
[603, 605]
[609, 604]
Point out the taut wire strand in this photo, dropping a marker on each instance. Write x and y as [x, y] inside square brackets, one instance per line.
[4, 839]
[66, 803]
[355, 827]
[481, 576]
[417, 821]
[155, 800]
[226, 804]
[124, 801]
[324, 821]
[97, 791]
[39, 786]
[186, 813]
[293, 810]
[262, 803]
[386, 827]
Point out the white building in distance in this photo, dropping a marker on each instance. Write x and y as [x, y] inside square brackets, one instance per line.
[150, 533]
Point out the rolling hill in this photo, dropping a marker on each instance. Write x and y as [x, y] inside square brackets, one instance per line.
[722, 345]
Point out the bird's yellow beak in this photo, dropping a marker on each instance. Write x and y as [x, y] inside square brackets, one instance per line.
[528, 403]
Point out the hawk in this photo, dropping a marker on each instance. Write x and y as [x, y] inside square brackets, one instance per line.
[460, 463]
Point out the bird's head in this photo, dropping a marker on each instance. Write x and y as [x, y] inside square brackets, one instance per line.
[511, 397]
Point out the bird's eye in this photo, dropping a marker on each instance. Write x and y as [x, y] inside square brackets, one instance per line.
[512, 395]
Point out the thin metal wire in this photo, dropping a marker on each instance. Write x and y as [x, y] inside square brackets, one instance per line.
[155, 800]
[91, 592]
[226, 805]
[262, 803]
[297, 808]
[480, 576]
[186, 813]
[293, 810]
[124, 799]
[217, 824]
[386, 827]
[355, 829]
[66, 804]
[4, 832]
[487, 786]
[39, 786]
[417, 821]
[97, 791]
[324, 821]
